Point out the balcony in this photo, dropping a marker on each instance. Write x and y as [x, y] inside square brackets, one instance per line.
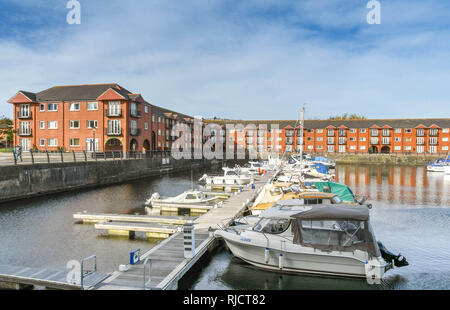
[135, 132]
[433, 133]
[136, 114]
[386, 141]
[433, 141]
[114, 113]
[342, 141]
[114, 131]
[24, 132]
[22, 115]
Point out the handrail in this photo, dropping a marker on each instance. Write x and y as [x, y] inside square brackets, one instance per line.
[148, 261]
[83, 274]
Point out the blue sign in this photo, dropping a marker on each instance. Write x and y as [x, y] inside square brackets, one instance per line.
[135, 256]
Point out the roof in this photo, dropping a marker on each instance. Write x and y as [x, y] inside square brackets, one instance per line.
[321, 124]
[332, 212]
[79, 92]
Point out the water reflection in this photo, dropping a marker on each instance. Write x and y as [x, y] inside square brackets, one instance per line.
[403, 185]
[410, 214]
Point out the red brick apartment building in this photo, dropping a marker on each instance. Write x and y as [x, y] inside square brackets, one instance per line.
[414, 136]
[107, 117]
[103, 117]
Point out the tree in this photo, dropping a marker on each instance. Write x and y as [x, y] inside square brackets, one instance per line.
[6, 128]
[347, 116]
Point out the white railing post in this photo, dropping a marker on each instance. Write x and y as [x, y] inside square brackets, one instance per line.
[189, 240]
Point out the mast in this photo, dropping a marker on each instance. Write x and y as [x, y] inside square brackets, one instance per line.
[302, 119]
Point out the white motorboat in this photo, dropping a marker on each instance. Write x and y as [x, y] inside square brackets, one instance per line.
[186, 198]
[317, 239]
[230, 177]
[439, 165]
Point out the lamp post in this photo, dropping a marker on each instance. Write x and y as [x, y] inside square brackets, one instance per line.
[93, 140]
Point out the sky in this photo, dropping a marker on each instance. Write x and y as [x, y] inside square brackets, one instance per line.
[237, 59]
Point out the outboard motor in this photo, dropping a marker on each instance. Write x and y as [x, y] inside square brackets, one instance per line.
[398, 260]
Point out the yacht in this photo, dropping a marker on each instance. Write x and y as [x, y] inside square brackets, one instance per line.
[321, 239]
[439, 165]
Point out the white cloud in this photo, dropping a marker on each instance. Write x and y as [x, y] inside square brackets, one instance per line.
[213, 59]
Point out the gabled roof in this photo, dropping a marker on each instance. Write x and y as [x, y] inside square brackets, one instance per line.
[23, 97]
[80, 92]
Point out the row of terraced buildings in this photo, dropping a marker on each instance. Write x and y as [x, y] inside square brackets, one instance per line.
[108, 117]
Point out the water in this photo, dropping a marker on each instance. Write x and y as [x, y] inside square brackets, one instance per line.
[41, 232]
[410, 214]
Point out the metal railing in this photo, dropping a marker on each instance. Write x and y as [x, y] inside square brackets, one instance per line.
[49, 157]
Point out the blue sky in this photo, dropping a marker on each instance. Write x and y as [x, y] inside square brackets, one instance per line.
[246, 59]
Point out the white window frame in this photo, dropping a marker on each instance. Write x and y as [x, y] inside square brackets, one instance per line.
[41, 124]
[72, 106]
[52, 105]
[52, 122]
[88, 124]
[50, 144]
[74, 145]
[91, 109]
[71, 124]
[41, 142]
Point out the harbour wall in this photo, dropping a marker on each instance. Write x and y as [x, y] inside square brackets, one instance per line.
[26, 181]
[384, 159]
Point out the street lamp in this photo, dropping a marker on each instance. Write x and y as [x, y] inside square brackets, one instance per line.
[93, 140]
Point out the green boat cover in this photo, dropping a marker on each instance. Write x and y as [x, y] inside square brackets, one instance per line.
[342, 190]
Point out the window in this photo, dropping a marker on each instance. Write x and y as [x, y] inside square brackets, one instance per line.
[445, 148]
[114, 108]
[341, 148]
[272, 226]
[374, 132]
[41, 142]
[25, 128]
[445, 130]
[352, 147]
[74, 124]
[146, 126]
[362, 139]
[52, 107]
[146, 109]
[420, 132]
[75, 106]
[52, 142]
[398, 130]
[330, 132]
[352, 130]
[397, 139]
[362, 147]
[342, 132]
[52, 124]
[159, 119]
[319, 138]
[420, 141]
[408, 148]
[42, 107]
[385, 140]
[114, 127]
[319, 130]
[445, 139]
[362, 130]
[330, 148]
[42, 124]
[353, 139]
[343, 233]
[386, 132]
[92, 124]
[397, 148]
[408, 130]
[92, 105]
[159, 132]
[75, 142]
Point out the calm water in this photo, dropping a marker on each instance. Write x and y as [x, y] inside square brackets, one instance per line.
[410, 214]
[42, 232]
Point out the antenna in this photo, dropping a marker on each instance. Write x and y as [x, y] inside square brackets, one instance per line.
[302, 120]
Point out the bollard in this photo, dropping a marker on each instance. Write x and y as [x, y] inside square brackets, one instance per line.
[189, 240]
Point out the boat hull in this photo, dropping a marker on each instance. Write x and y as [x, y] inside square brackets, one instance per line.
[308, 262]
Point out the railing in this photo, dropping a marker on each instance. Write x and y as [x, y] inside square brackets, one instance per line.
[135, 132]
[116, 114]
[25, 132]
[136, 114]
[116, 132]
[49, 157]
[22, 115]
